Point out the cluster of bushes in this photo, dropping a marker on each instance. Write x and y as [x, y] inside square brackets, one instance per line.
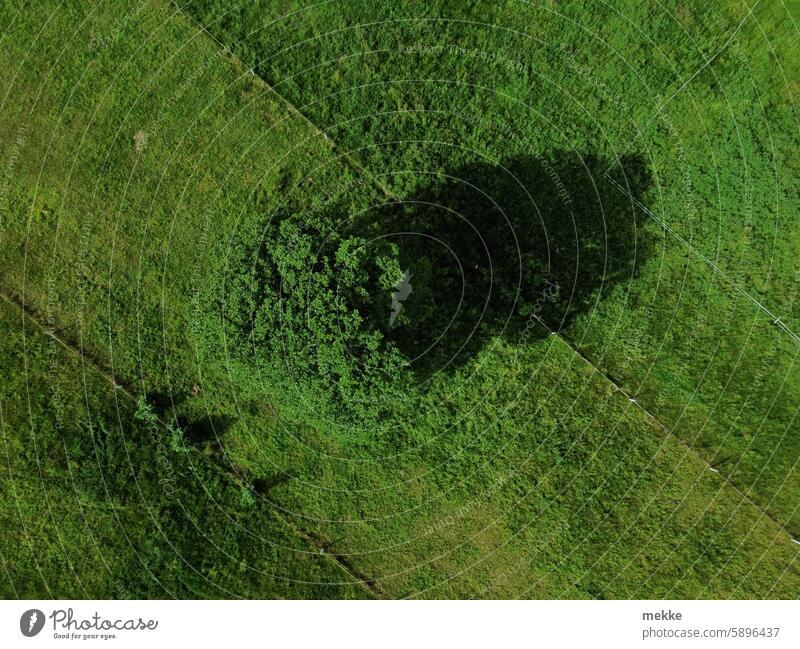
[297, 298]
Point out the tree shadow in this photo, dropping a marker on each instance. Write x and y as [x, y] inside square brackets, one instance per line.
[206, 428]
[197, 429]
[499, 249]
[262, 486]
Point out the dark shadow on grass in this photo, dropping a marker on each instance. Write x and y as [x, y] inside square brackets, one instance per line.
[207, 428]
[197, 430]
[498, 249]
[262, 486]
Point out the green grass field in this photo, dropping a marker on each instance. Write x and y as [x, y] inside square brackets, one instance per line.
[201, 395]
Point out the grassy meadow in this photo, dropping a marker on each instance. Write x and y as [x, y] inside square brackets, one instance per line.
[205, 206]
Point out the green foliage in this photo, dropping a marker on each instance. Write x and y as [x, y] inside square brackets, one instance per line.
[298, 299]
[232, 266]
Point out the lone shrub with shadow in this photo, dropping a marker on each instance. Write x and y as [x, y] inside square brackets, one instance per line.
[306, 298]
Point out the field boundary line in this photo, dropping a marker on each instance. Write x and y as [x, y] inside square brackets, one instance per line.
[242, 68]
[32, 314]
[655, 421]
[776, 320]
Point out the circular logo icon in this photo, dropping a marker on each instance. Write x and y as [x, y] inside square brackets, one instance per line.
[31, 622]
